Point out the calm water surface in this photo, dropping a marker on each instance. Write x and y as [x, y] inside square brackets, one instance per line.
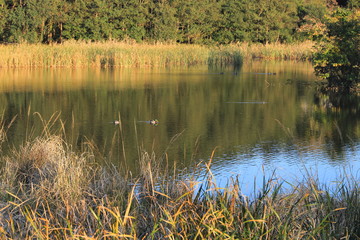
[255, 122]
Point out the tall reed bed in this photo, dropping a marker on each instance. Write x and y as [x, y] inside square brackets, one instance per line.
[292, 51]
[108, 54]
[48, 191]
[121, 54]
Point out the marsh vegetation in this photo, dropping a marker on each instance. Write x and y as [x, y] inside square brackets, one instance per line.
[50, 191]
[55, 184]
[121, 54]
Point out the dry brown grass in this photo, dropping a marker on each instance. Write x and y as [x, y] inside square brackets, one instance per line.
[294, 51]
[120, 54]
[49, 191]
[107, 54]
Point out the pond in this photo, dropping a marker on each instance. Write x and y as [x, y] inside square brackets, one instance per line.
[262, 117]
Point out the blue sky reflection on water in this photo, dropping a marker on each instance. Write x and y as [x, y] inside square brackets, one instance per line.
[284, 165]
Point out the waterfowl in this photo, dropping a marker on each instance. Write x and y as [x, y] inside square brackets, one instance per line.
[154, 122]
[116, 122]
[270, 73]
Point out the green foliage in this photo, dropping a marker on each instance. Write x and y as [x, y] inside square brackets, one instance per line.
[311, 13]
[274, 20]
[197, 20]
[74, 28]
[162, 23]
[337, 57]
[353, 4]
[184, 21]
[257, 21]
[233, 22]
[3, 17]
[29, 21]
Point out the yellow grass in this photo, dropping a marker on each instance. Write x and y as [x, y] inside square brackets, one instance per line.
[48, 191]
[122, 54]
[293, 51]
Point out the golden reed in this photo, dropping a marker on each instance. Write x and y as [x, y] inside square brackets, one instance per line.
[122, 54]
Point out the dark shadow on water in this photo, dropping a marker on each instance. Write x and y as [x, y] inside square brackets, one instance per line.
[338, 114]
[338, 101]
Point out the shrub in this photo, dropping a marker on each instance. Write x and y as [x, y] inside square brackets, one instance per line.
[337, 57]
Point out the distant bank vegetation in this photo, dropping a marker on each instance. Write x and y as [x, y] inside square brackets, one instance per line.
[190, 32]
[122, 54]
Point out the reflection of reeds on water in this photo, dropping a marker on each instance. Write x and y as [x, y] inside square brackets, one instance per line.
[121, 54]
[50, 191]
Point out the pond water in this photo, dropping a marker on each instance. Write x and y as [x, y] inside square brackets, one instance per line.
[256, 121]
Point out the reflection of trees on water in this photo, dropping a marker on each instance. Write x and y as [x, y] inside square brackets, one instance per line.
[336, 119]
[196, 104]
[327, 127]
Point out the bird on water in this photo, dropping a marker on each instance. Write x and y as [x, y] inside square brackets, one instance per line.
[153, 122]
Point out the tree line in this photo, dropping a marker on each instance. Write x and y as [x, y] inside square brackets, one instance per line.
[183, 21]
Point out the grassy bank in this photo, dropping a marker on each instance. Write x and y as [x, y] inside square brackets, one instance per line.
[295, 51]
[120, 54]
[50, 192]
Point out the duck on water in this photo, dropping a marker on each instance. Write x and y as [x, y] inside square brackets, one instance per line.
[153, 122]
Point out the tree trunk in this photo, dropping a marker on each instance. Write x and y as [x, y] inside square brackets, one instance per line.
[61, 29]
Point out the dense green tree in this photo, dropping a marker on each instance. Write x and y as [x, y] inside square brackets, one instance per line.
[311, 9]
[74, 28]
[21, 25]
[184, 21]
[96, 20]
[49, 14]
[102, 20]
[212, 20]
[233, 24]
[60, 10]
[30, 20]
[130, 18]
[310, 13]
[271, 20]
[197, 19]
[337, 58]
[258, 21]
[3, 17]
[117, 22]
[353, 4]
[162, 23]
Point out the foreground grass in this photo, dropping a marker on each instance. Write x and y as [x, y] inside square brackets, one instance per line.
[121, 54]
[50, 192]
